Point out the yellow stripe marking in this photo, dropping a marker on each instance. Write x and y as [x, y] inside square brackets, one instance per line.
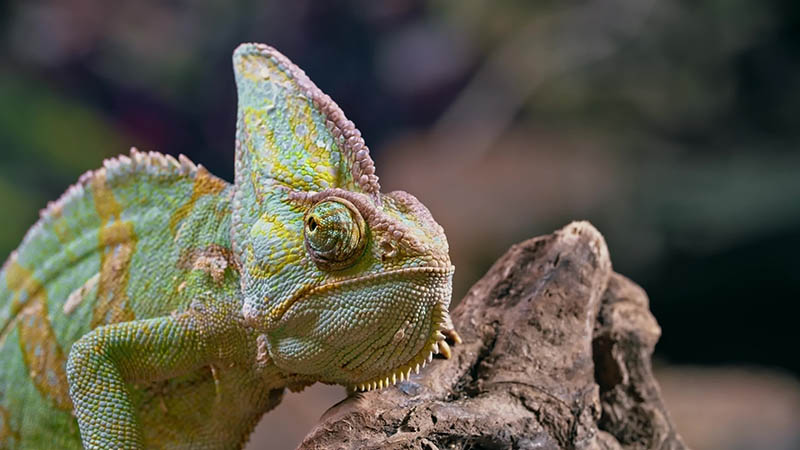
[118, 243]
[40, 350]
[43, 355]
[204, 184]
[6, 432]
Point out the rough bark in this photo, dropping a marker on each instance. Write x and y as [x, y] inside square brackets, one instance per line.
[556, 354]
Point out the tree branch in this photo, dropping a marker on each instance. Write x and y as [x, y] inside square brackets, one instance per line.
[556, 354]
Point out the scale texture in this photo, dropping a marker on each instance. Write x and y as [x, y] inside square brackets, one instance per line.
[155, 305]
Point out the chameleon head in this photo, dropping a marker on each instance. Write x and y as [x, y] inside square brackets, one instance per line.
[378, 301]
[349, 285]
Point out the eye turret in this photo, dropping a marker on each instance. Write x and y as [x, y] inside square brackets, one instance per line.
[335, 233]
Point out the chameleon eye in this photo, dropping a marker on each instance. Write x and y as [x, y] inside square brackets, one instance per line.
[335, 233]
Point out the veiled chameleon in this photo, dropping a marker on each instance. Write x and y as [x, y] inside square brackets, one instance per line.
[156, 305]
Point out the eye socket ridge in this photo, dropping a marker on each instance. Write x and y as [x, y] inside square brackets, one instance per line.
[335, 233]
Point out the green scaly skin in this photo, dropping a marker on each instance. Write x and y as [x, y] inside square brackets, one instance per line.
[155, 305]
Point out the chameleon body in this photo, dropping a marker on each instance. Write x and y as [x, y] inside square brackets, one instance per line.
[155, 305]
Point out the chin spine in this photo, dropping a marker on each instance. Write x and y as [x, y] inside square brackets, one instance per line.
[436, 344]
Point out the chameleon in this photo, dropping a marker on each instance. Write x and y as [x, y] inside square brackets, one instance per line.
[155, 305]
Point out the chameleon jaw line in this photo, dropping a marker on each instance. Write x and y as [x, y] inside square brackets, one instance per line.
[436, 344]
[277, 314]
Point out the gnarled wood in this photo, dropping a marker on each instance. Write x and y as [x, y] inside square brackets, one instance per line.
[556, 354]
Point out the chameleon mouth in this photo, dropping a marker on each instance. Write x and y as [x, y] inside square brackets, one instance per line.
[369, 365]
[436, 343]
[277, 314]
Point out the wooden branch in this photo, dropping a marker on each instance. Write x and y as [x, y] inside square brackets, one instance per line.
[556, 354]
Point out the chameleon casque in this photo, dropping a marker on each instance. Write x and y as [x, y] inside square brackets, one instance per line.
[155, 305]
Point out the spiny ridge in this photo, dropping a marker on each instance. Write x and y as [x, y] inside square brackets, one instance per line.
[150, 163]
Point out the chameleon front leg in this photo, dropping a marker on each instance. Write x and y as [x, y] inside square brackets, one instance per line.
[103, 361]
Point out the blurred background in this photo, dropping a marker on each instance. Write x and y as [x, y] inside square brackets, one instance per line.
[672, 125]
